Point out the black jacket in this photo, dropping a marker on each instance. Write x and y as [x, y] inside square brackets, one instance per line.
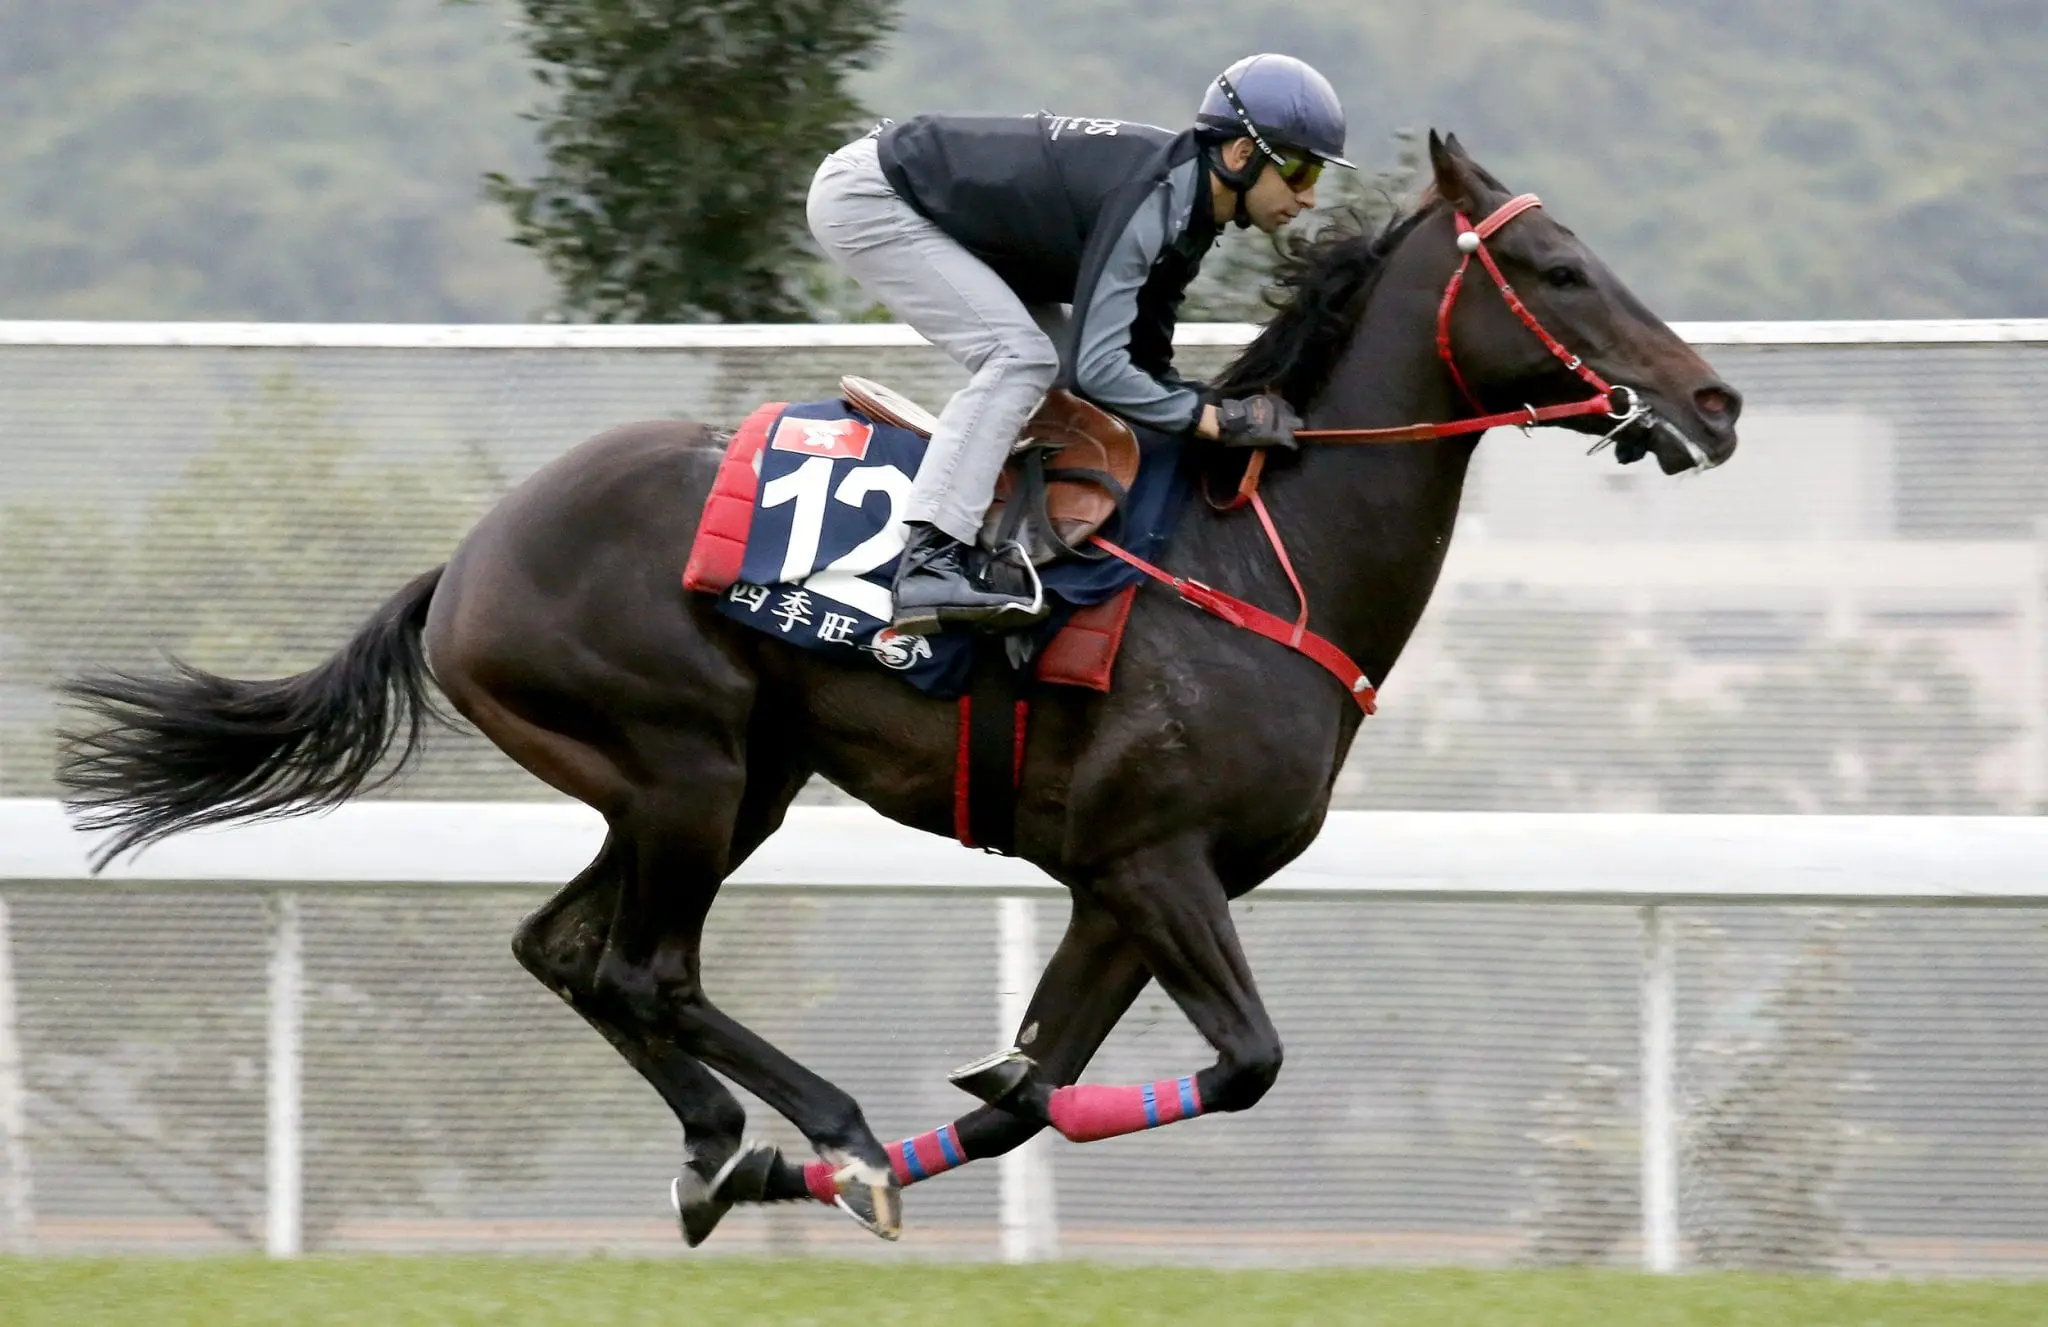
[1044, 201]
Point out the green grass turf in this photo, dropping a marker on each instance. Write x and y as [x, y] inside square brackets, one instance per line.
[594, 1292]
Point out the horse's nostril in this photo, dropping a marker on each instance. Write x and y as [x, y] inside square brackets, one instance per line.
[1717, 403]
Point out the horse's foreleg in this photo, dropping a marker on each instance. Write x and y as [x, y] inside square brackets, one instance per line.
[1176, 914]
[1090, 982]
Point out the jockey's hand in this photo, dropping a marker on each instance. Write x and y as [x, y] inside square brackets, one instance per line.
[1257, 421]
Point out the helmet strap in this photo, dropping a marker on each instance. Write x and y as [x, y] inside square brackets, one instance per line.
[1239, 182]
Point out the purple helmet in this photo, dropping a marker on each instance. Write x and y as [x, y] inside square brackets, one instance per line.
[1280, 100]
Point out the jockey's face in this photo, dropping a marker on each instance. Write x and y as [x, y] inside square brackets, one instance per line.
[1272, 201]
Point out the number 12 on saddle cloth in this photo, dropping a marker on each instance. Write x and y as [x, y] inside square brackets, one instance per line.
[802, 530]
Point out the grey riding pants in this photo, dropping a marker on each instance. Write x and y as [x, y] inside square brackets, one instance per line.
[924, 277]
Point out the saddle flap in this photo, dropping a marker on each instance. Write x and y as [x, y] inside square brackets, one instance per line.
[886, 405]
[1083, 440]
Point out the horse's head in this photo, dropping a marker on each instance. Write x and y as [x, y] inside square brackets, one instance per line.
[1687, 413]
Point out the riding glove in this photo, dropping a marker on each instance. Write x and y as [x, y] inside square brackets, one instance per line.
[1257, 421]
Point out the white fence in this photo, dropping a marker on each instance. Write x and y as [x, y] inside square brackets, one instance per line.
[1649, 863]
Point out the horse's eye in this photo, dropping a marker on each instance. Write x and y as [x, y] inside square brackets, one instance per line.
[1563, 277]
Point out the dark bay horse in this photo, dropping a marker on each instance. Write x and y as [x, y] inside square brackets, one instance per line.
[561, 630]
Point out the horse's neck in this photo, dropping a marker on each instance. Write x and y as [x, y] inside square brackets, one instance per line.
[1367, 525]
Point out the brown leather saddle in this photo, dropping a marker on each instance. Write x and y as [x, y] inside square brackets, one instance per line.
[1068, 475]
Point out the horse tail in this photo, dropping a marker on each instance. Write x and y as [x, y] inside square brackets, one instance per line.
[179, 750]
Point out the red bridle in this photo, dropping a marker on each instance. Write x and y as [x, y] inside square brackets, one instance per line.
[1601, 404]
[1295, 635]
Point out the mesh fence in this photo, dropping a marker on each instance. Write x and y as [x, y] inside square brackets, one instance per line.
[1859, 1090]
[1847, 618]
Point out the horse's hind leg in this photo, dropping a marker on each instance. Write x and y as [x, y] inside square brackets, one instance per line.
[686, 802]
[569, 941]
[684, 829]
[561, 945]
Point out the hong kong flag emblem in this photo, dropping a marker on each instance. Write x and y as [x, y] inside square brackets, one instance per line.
[836, 438]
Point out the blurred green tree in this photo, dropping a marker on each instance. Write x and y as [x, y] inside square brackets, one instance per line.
[680, 144]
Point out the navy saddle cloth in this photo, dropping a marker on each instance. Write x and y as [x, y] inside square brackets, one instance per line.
[827, 531]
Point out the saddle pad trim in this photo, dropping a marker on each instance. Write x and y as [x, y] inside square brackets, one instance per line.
[1083, 652]
[721, 543]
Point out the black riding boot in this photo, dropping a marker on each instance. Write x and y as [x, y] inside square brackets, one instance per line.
[936, 586]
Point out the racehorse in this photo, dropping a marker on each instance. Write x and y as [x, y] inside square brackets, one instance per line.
[560, 629]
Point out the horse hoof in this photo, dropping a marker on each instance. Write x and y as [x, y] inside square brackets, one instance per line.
[870, 1196]
[993, 1078]
[697, 1212]
[701, 1204]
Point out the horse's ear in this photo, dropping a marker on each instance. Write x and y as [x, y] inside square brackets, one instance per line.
[1459, 180]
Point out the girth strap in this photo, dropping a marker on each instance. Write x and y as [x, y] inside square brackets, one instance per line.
[989, 762]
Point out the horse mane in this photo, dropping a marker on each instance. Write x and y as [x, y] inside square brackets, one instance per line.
[1320, 290]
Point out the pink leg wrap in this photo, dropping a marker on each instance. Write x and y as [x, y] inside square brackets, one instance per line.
[1087, 1112]
[1082, 1114]
[913, 1159]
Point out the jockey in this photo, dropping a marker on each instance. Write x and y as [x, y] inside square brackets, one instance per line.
[976, 230]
